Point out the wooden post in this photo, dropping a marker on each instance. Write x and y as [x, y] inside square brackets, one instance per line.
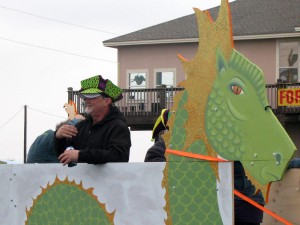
[70, 94]
[162, 99]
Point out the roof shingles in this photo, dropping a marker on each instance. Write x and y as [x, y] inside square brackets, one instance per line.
[249, 17]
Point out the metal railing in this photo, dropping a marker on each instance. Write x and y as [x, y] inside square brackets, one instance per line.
[150, 101]
[272, 95]
[137, 102]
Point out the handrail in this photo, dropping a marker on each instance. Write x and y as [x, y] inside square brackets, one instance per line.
[272, 95]
[148, 101]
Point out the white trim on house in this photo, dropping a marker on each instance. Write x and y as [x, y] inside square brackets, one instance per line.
[195, 40]
[267, 36]
[150, 42]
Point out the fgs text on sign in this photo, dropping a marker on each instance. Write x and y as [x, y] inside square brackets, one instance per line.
[289, 97]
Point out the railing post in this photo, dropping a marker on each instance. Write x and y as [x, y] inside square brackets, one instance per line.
[279, 86]
[162, 97]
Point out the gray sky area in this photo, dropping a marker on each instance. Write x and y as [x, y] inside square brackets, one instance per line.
[48, 46]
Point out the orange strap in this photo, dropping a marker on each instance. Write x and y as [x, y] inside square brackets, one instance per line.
[195, 156]
[261, 207]
[237, 193]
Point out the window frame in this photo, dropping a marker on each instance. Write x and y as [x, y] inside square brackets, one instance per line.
[136, 95]
[297, 64]
[165, 70]
[128, 72]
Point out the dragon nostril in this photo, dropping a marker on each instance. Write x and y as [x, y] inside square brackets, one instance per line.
[277, 157]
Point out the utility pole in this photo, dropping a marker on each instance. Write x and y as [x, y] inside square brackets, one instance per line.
[25, 132]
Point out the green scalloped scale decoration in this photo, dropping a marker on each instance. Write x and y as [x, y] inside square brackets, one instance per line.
[66, 203]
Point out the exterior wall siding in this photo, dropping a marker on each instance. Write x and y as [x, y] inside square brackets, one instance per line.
[151, 57]
[263, 54]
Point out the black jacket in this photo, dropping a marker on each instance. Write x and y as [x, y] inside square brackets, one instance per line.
[157, 152]
[106, 141]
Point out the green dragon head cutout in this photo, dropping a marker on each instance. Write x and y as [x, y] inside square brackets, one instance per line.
[239, 123]
[223, 111]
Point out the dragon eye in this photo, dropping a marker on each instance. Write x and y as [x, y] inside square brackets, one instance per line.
[237, 90]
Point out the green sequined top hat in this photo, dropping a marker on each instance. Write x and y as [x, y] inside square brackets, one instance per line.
[161, 123]
[98, 85]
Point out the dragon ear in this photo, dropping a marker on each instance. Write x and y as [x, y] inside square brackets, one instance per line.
[221, 63]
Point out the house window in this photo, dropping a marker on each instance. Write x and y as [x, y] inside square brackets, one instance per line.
[165, 77]
[137, 80]
[288, 61]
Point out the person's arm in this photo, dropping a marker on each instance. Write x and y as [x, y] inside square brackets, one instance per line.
[60, 144]
[63, 137]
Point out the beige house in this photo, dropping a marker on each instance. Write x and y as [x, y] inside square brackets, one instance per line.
[267, 32]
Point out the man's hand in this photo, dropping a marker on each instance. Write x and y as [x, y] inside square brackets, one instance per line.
[66, 131]
[69, 156]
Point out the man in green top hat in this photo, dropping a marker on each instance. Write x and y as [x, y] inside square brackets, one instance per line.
[104, 135]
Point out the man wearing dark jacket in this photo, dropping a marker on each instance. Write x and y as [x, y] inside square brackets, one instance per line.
[104, 135]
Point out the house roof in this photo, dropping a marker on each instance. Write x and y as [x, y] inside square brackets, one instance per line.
[251, 19]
